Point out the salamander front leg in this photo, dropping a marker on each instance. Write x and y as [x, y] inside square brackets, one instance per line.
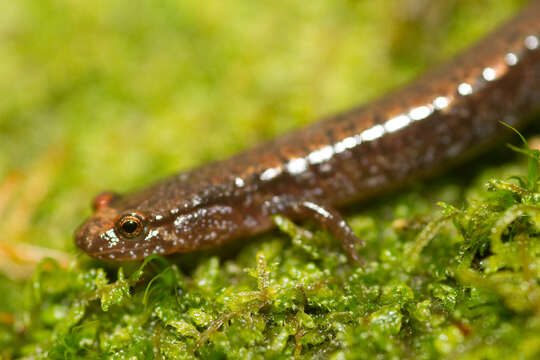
[325, 215]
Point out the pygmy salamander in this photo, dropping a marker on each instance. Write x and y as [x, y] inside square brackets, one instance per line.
[444, 116]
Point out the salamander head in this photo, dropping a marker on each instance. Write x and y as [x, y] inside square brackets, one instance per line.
[115, 232]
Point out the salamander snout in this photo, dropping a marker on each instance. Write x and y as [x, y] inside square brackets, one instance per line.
[111, 235]
[120, 235]
[96, 236]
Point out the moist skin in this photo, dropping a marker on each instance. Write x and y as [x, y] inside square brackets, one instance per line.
[446, 115]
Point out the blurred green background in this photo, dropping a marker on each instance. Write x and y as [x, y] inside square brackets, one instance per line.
[115, 94]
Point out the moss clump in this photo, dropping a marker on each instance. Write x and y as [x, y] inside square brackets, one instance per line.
[464, 285]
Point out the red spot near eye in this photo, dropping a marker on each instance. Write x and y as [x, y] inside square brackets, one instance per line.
[103, 200]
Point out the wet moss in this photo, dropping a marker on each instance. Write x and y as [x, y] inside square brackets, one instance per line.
[470, 289]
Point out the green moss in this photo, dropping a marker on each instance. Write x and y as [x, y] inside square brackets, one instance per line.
[112, 95]
[471, 290]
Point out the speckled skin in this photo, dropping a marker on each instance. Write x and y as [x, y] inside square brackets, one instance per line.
[442, 117]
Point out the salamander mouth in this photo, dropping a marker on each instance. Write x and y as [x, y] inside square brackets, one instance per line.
[124, 250]
[124, 254]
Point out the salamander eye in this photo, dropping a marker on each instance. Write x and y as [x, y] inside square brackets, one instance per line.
[130, 225]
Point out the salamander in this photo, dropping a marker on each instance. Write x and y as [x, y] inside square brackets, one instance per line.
[444, 116]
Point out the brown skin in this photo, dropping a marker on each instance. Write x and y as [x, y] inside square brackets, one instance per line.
[444, 116]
